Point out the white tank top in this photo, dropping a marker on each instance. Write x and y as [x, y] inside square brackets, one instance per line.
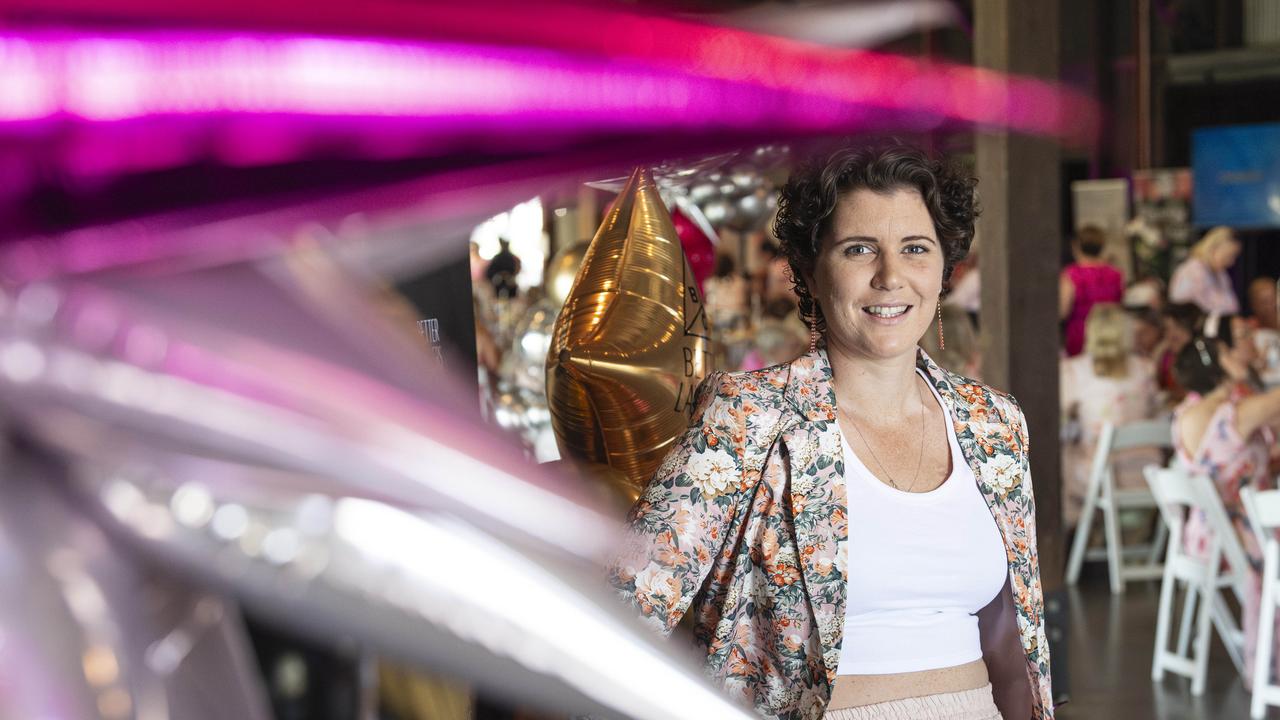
[921, 565]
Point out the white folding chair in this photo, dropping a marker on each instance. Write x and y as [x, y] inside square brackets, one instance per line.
[1179, 493]
[1103, 495]
[1263, 509]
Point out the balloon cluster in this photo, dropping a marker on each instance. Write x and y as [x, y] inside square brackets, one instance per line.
[736, 190]
[521, 405]
[739, 192]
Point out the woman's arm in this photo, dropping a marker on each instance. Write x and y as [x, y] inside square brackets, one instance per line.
[1066, 296]
[1257, 410]
[1003, 656]
[681, 522]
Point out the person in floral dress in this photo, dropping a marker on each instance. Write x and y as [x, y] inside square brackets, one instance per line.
[1224, 429]
[853, 531]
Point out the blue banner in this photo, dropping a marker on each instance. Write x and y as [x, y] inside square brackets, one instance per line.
[1237, 176]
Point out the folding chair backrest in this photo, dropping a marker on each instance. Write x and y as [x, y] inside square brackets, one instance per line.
[1177, 489]
[1145, 433]
[1113, 438]
[1174, 493]
[1263, 509]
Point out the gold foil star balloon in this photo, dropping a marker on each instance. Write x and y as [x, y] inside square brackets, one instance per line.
[631, 343]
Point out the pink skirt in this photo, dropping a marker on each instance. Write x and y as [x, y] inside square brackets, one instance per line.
[976, 704]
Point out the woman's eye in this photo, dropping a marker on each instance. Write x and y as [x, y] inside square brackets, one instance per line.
[857, 250]
[915, 249]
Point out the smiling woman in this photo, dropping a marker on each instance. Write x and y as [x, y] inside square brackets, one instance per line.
[854, 530]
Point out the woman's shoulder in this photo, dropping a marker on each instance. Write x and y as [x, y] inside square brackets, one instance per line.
[1141, 368]
[752, 401]
[976, 396]
[1191, 267]
[765, 381]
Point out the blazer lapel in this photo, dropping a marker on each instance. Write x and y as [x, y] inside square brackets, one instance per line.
[818, 499]
[975, 418]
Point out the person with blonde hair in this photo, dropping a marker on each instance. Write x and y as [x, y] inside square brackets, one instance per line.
[1108, 383]
[1202, 278]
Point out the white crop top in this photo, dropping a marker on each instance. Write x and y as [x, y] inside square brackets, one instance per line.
[920, 567]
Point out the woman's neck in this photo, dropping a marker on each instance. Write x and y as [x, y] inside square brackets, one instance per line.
[876, 386]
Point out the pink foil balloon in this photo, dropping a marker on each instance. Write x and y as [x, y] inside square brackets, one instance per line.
[698, 247]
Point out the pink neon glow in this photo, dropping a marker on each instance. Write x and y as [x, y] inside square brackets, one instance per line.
[117, 78]
[716, 77]
[655, 41]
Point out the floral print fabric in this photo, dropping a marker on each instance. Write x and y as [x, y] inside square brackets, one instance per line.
[1232, 462]
[745, 525]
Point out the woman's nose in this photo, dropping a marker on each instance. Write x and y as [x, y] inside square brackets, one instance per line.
[888, 275]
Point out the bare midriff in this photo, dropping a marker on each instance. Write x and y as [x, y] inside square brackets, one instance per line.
[858, 690]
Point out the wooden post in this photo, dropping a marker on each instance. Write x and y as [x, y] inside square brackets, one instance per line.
[1020, 236]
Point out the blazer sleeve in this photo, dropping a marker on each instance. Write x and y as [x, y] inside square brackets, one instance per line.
[1035, 641]
[680, 524]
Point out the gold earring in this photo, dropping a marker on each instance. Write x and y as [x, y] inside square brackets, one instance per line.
[813, 334]
[942, 341]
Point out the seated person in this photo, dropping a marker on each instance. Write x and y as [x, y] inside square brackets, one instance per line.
[1179, 323]
[1222, 429]
[1109, 383]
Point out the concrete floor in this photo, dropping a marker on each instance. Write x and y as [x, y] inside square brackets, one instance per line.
[1111, 640]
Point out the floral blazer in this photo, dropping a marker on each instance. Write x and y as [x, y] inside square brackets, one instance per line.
[745, 523]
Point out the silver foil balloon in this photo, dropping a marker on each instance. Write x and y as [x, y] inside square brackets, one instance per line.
[745, 178]
[258, 428]
[88, 631]
[522, 406]
[718, 211]
[703, 192]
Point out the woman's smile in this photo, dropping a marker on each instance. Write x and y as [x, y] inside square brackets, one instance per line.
[887, 314]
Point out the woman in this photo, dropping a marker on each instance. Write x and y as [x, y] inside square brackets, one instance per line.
[1223, 428]
[1085, 283]
[1202, 279]
[1179, 323]
[1108, 383]
[785, 516]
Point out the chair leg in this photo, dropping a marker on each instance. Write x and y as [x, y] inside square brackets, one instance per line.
[1080, 545]
[1266, 634]
[1184, 628]
[1201, 650]
[1232, 637]
[1112, 526]
[1158, 544]
[1167, 589]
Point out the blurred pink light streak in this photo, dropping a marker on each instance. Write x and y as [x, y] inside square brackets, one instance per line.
[654, 72]
[125, 77]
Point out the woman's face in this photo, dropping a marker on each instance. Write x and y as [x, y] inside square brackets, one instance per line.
[1146, 336]
[1224, 255]
[878, 274]
[1175, 333]
[1244, 352]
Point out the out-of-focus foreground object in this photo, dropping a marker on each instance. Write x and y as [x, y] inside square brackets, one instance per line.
[631, 344]
[256, 429]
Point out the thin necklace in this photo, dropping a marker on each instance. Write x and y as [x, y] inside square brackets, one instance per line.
[919, 457]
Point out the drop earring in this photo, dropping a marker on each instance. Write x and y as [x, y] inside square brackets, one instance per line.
[942, 341]
[813, 334]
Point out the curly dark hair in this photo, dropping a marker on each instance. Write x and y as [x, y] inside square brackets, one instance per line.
[807, 204]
